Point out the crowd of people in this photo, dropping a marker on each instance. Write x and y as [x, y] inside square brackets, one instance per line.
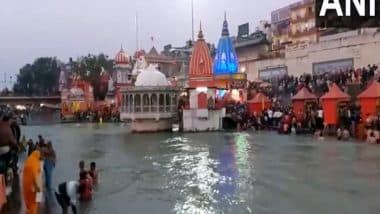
[287, 86]
[37, 171]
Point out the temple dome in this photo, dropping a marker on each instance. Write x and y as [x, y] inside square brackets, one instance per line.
[200, 71]
[151, 77]
[225, 61]
[121, 57]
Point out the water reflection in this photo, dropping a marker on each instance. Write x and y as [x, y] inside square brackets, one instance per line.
[217, 172]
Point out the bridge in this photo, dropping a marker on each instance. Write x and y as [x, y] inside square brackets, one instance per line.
[33, 100]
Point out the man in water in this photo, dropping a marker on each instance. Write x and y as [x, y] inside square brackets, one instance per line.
[67, 195]
[7, 140]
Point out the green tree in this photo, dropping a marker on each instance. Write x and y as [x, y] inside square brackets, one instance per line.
[39, 78]
[89, 69]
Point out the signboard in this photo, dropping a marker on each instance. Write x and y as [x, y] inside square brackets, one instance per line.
[243, 30]
[321, 68]
[238, 84]
[270, 73]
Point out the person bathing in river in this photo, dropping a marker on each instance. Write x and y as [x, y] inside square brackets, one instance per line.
[81, 168]
[67, 196]
[49, 164]
[85, 186]
[93, 172]
[31, 146]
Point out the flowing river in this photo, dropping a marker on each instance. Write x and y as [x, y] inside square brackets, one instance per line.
[217, 172]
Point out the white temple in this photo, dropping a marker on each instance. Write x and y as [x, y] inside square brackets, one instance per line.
[150, 105]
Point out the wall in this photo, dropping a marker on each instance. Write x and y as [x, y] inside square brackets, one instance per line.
[247, 57]
[299, 59]
[192, 123]
[194, 97]
[151, 125]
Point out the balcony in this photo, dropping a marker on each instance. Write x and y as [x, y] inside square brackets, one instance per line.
[306, 32]
[298, 19]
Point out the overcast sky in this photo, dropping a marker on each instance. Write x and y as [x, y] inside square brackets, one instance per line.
[71, 28]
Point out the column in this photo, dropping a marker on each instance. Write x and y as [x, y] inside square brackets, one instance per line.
[133, 103]
[141, 102]
[164, 102]
[150, 101]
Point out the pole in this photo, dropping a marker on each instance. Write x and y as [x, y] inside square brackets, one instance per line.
[192, 19]
[137, 32]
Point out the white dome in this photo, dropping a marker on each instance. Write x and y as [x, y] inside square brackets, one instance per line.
[151, 77]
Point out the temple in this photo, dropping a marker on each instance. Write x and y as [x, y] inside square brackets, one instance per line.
[226, 68]
[201, 114]
[122, 75]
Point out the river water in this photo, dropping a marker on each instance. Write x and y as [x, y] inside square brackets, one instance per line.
[216, 172]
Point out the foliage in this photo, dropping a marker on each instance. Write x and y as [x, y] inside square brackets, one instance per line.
[39, 78]
[89, 69]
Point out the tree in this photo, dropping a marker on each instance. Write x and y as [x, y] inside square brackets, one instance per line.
[39, 78]
[89, 68]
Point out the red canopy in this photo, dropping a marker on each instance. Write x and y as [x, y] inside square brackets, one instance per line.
[335, 93]
[304, 94]
[373, 91]
[259, 98]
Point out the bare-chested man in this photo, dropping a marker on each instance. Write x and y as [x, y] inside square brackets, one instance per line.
[7, 139]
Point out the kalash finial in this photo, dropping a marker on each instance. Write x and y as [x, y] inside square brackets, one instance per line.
[225, 31]
[121, 47]
[200, 34]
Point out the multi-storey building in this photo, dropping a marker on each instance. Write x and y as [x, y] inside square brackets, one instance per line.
[293, 24]
[302, 23]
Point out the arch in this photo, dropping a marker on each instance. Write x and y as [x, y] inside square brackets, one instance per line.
[137, 103]
[154, 102]
[161, 102]
[146, 103]
[202, 100]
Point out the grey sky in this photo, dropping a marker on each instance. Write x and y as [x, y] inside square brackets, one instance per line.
[30, 29]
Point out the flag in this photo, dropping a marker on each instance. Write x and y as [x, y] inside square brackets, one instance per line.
[262, 103]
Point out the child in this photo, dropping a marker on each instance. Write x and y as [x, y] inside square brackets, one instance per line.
[85, 187]
[93, 172]
[81, 168]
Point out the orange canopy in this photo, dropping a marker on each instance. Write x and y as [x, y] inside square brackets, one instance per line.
[330, 104]
[373, 91]
[304, 94]
[335, 93]
[259, 98]
[300, 99]
[258, 103]
[369, 100]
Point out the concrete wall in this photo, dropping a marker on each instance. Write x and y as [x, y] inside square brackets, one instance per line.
[192, 123]
[361, 47]
[247, 57]
[194, 97]
[151, 125]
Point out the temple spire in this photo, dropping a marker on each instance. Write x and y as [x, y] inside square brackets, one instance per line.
[225, 31]
[121, 46]
[200, 34]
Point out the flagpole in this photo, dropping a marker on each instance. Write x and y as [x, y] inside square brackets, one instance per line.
[137, 32]
[192, 19]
